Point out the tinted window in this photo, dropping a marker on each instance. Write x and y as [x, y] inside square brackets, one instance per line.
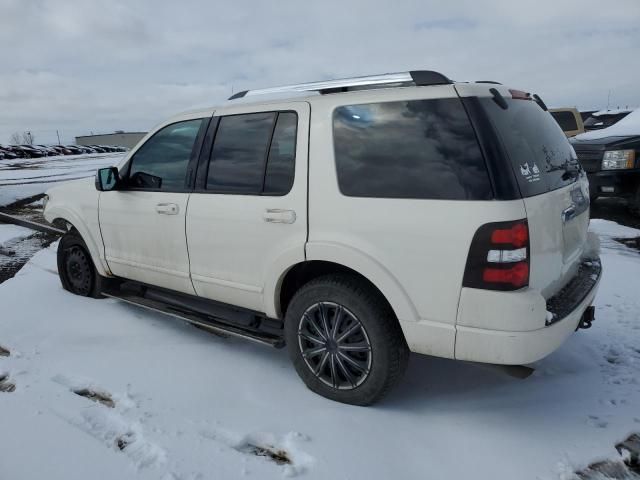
[161, 162]
[410, 149]
[566, 120]
[239, 153]
[539, 151]
[281, 164]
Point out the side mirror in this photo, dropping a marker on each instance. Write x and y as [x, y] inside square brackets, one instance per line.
[107, 179]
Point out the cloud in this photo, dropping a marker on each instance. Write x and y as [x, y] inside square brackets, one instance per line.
[86, 65]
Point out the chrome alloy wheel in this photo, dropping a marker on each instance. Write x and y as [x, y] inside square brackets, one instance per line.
[335, 345]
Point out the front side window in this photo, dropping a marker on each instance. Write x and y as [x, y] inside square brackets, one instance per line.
[161, 163]
[409, 149]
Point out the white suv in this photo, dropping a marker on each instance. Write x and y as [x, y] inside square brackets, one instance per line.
[352, 221]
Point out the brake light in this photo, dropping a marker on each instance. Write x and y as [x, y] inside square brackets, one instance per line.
[517, 235]
[499, 257]
[520, 95]
[518, 275]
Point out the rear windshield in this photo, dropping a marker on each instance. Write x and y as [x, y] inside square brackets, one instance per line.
[541, 156]
[566, 120]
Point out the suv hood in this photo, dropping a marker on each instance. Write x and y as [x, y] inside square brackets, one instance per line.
[606, 141]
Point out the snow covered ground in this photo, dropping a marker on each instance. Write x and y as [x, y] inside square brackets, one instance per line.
[26, 177]
[191, 405]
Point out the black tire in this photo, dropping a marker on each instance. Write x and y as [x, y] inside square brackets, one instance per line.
[355, 307]
[77, 272]
[634, 203]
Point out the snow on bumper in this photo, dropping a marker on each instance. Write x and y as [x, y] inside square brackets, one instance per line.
[515, 329]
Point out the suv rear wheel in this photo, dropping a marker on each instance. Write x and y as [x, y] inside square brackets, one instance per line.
[77, 272]
[344, 340]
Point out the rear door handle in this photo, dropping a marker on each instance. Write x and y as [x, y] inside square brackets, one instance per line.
[279, 215]
[167, 209]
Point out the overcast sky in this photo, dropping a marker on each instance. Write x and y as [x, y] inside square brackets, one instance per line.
[84, 66]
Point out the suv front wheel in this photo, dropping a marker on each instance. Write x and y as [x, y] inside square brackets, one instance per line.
[77, 272]
[344, 340]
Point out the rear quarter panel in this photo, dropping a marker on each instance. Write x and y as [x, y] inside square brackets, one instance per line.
[414, 251]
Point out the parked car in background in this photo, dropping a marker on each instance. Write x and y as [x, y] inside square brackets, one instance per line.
[325, 220]
[611, 157]
[74, 149]
[7, 154]
[569, 120]
[605, 118]
[34, 152]
[47, 148]
[585, 114]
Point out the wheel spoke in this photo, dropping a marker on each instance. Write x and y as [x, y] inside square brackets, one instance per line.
[355, 347]
[352, 362]
[315, 326]
[311, 338]
[323, 362]
[334, 373]
[312, 352]
[345, 370]
[323, 317]
[353, 328]
[337, 321]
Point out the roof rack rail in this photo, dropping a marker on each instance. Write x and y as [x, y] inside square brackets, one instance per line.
[488, 81]
[412, 78]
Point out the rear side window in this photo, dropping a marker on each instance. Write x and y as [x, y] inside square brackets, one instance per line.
[566, 120]
[423, 149]
[278, 179]
[254, 154]
[541, 156]
[239, 153]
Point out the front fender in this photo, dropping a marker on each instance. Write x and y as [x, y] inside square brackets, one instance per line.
[76, 203]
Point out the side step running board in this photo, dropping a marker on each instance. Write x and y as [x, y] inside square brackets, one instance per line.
[205, 321]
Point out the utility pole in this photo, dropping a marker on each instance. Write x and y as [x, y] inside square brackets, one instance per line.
[58, 134]
[608, 99]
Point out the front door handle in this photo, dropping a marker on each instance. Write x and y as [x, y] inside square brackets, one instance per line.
[279, 215]
[167, 209]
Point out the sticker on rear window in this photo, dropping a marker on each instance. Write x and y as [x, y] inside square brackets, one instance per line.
[531, 173]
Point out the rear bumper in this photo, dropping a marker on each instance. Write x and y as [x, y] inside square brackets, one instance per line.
[526, 308]
[614, 183]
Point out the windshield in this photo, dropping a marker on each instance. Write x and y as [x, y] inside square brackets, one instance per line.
[541, 156]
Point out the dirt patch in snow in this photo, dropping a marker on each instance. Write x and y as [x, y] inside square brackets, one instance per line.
[281, 457]
[630, 242]
[96, 396]
[627, 468]
[5, 385]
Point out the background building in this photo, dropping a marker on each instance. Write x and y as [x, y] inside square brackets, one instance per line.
[123, 139]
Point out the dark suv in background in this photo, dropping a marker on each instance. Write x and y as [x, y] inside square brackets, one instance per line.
[611, 157]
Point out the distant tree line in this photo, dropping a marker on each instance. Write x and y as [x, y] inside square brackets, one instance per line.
[24, 138]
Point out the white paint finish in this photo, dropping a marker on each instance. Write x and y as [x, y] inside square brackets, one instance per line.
[143, 244]
[430, 338]
[522, 310]
[556, 247]
[237, 242]
[517, 347]
[417, 258]
[77, 203]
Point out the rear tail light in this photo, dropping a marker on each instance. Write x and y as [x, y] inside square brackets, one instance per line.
[499, 257]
